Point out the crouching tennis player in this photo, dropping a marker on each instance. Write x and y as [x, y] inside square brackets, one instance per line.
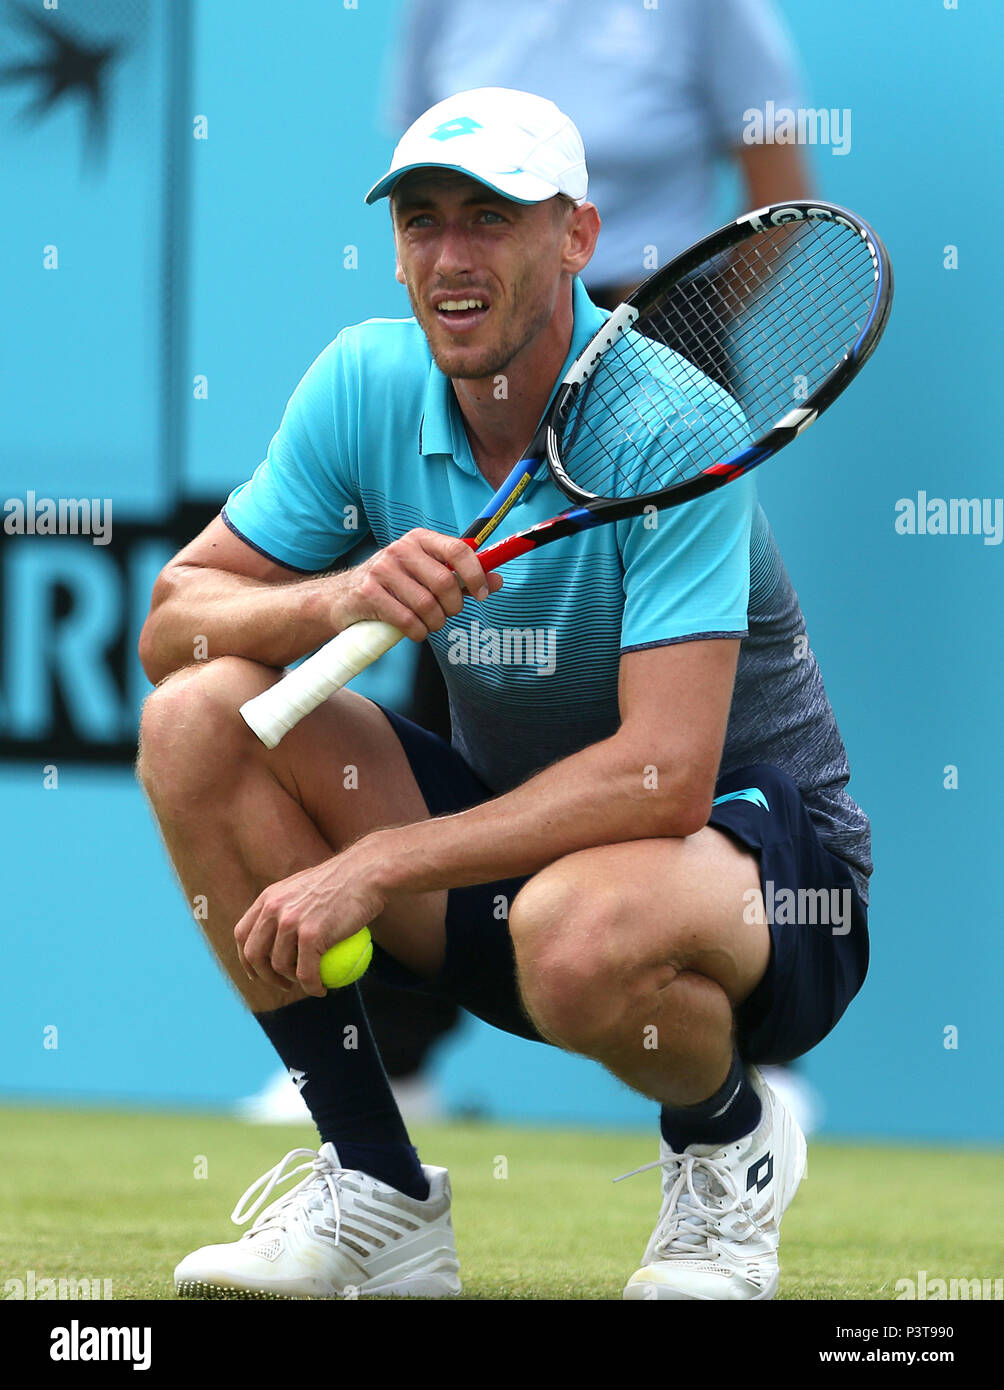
[630, 786]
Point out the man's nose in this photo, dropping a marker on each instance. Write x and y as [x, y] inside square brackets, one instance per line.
[455, 256]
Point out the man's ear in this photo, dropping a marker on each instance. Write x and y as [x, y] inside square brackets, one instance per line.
[583, 229]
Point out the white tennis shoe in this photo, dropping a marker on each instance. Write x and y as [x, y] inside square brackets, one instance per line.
[337, 1234]
[717, 1234]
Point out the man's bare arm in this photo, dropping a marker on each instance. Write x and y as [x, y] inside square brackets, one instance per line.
[773, 174]
[220, 597]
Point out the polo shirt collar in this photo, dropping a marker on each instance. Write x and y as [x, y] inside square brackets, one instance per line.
[442, 429]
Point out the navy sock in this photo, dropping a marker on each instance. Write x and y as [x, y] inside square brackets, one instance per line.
[733, 1111]
[345, 1086]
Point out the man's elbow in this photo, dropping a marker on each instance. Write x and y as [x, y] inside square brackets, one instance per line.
[152, 647]
[678, 804]
[687, 811]
[149, 656]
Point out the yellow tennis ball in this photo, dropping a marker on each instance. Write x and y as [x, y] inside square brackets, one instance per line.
[348, 961]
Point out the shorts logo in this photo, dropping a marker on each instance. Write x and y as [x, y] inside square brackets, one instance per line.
[756, 1178]
[460, 125]
[753, 794]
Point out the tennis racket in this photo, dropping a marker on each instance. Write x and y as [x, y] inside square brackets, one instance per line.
[716, 362]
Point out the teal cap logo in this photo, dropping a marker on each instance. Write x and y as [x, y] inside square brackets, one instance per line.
[460, 125]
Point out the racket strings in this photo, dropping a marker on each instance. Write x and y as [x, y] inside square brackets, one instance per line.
[816, 284]
[815, 293]
[715, 360]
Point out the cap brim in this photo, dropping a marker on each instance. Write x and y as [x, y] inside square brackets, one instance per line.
[518, 188]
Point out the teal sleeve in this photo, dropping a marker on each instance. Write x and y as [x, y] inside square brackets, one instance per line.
[302, 504]
[687, 570]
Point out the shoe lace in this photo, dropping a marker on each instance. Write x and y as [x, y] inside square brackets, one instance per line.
[688, 1219]
[287, 1206]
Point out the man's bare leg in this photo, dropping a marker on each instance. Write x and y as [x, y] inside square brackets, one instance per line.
[637, 954]
[236, 817]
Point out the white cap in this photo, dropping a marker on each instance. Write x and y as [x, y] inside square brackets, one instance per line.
[520, 145]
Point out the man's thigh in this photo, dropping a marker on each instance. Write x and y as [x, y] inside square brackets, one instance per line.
[708, 904]
[699, 901]
[637, 914]
[226, 801]
[754, 902]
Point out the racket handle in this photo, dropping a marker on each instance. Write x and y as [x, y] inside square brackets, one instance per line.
[272, 714]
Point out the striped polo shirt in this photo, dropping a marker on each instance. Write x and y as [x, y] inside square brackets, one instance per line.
[372, 443]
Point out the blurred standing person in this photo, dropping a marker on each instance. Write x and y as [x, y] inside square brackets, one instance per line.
[658, 88]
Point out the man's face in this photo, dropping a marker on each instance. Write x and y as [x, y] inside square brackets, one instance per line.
[483, 273]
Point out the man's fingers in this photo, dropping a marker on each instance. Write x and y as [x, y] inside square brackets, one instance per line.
[241, 932]
[419, 600]
[383, 603]
[441, 582]
[421, 580]
[466, 565]
[283, 955]
[308, 966]
[255, 935]
[417, 547]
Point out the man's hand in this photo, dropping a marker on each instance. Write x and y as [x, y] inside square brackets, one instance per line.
[285, 932]
[416, 583]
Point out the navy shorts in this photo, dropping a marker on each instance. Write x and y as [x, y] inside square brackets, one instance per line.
[817, 921]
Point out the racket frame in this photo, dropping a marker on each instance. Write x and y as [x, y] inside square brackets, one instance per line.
[791, 425]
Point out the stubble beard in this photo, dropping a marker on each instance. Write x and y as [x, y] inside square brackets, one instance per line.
[461, 363]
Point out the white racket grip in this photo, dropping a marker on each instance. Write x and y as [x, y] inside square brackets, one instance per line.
[272, 714]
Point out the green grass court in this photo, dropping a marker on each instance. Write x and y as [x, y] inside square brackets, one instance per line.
[537, 1216]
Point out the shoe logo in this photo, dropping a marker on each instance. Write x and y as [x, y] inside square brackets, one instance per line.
[298, 1078]
[757, 1178]
[753, 794]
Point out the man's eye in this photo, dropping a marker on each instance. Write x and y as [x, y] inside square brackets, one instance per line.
[490, 216]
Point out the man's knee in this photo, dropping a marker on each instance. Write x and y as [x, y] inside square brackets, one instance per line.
[190, 726]
[581, 970]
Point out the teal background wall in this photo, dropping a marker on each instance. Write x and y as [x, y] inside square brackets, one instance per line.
[254, 247]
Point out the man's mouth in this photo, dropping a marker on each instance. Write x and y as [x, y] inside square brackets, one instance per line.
[461, 313]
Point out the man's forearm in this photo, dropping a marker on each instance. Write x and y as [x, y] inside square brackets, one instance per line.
[217, 598]
[606, 794]
[199, 614]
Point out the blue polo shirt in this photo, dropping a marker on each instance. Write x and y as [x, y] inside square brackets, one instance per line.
[373, 442]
